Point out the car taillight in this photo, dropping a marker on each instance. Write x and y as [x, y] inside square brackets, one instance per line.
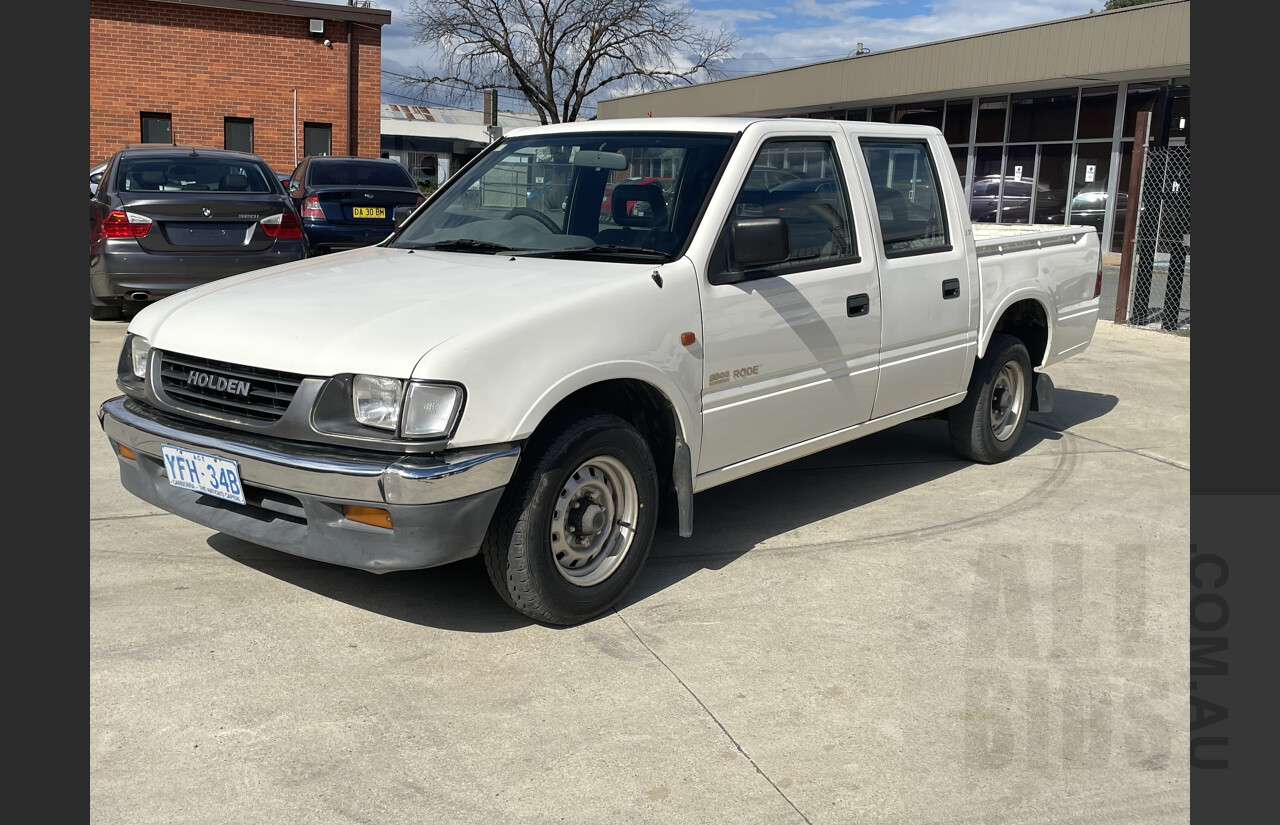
[285, 226]
[1097, 286]
[421, 200]
[311, 208]
[122, 224]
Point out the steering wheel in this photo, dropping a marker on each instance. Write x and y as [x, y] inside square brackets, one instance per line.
[532, 213]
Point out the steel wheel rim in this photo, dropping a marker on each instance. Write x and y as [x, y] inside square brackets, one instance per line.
[1008, 398]
[593, 521]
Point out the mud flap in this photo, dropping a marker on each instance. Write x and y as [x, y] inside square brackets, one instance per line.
[1042, 394]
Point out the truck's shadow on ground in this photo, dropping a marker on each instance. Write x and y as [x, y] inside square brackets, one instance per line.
[728, 522]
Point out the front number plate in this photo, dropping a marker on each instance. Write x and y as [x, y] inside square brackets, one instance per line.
[368, 212]
[202, 473]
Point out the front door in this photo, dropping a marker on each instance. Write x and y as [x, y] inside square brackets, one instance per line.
[791, 351]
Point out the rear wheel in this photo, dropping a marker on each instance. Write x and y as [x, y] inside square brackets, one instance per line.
[986, 426]
[576, 523]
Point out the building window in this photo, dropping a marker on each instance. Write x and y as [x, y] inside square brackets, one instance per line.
[317, 139]
[1097, 113]
[959, 117]
[1042, 116]
[157, 127]
[991, 115]
[924, 114]
[237, 133]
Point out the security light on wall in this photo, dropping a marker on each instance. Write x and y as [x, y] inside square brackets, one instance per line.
[317, 26]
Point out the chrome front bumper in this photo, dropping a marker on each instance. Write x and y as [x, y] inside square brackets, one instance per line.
[440, 505]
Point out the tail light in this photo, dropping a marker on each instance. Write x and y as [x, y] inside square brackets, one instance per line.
[311, 208]
[122, 224]
[421, 200]
[284, 226]
[1097, 286]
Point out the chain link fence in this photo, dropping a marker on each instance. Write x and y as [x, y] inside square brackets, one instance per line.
[1160, 279]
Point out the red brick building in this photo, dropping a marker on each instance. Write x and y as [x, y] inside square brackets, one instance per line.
[282, 79]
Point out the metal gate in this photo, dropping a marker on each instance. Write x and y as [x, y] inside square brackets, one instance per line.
[1160, 276]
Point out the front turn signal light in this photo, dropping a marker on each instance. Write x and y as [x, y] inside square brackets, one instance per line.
[373, 516]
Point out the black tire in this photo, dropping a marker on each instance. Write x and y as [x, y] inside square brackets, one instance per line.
[576, 522]
[106, 312]
[986, 426]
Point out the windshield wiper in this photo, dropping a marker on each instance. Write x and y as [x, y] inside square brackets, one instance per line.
[598, 249]
[463, 245]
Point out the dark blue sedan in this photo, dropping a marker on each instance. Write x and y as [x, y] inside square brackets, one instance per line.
[349, 202]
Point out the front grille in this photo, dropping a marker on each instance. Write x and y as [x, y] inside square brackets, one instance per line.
[230, 389]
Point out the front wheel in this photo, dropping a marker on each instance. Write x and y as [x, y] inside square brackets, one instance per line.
[575, 525]
[986, 426]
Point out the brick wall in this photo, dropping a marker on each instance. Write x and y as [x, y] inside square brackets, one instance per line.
[201, 65]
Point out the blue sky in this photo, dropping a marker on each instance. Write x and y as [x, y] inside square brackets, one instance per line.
[779, 33]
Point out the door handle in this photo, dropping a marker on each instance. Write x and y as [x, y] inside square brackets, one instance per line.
[951, 288]
[857, 304]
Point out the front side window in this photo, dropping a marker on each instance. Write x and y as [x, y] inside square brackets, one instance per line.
[904, 180]
[157, 127]
[799, 182]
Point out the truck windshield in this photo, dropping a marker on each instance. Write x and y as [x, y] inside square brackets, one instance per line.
[623, 196]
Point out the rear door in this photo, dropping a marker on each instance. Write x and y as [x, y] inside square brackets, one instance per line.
[930, 299]
[790, 352]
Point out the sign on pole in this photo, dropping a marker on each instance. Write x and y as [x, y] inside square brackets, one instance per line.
[490, 107]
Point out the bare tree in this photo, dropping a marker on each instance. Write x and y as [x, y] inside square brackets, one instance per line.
[559, 54]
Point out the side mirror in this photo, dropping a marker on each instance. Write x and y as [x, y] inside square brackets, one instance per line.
[754, 243]
[402, 215]
[758, 242]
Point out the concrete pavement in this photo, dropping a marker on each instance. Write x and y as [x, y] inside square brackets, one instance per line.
[880, 633]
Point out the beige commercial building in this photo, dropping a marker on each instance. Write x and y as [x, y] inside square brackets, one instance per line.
[1040, 118]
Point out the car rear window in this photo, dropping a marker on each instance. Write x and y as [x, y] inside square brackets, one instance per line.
[143, 174]
[359, 173]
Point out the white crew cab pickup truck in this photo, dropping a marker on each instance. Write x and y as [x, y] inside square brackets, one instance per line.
[586, 326]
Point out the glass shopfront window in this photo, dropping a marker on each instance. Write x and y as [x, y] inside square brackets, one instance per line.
[1097, 113]
[1046, 157]
[1042, 116]
[924, 114]
[991, 116]
[959, 116]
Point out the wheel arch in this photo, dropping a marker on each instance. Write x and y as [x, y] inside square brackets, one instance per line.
[1026, 318]
[654, 415]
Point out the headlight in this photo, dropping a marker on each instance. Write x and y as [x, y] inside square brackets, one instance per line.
[139, 349]
[376, 401]
[416, 410]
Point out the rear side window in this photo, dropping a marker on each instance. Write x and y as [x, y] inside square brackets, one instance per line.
[359, 173]
[905, 182]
